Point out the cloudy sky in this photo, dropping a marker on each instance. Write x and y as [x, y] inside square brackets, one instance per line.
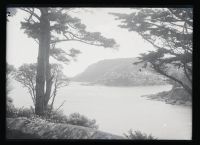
[21, 49]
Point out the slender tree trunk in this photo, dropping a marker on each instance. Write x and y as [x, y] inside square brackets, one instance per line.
[44, 43]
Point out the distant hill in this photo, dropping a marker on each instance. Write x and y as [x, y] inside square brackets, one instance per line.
[119, 72]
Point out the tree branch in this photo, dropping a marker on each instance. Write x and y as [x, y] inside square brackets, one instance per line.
[186, 73]
[64, 40]
[182, 18]
[179, 25]
[31, 13]
[156, 68]
[60, 105]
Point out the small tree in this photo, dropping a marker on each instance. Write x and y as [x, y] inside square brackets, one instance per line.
[26, 75]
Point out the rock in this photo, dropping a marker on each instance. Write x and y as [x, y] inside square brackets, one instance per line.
[177, 96]
[46, 130]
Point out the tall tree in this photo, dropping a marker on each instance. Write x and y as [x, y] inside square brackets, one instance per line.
[49, 26]
[170, 31]
[26, 75]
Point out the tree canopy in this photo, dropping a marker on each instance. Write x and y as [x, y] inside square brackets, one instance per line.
[170, 31]
[63, 28]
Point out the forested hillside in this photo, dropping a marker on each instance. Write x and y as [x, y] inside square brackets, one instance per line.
[120, 72]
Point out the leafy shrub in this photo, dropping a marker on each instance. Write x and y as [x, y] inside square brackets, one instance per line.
[56, 117]
[138, 135]
[25, 112]
[81, 120]
[11, 111]
[73, 119]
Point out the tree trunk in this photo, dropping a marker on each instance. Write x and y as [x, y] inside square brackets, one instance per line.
[187, 88]
[48, 70]
[48, 87]
[44, 43]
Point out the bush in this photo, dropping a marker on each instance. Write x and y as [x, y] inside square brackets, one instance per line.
[73, 119]
[56, 117]
[138, 135]
[11, 111]
[77, 119]
[25, 112]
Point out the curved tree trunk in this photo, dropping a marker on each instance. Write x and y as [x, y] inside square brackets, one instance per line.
[186, 87]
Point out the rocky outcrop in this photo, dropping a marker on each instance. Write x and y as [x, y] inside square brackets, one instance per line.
[176, 96]
[23, 127]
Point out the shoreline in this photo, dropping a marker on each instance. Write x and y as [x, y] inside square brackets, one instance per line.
[110, 85]
[169, 98]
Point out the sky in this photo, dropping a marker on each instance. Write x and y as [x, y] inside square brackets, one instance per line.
[21, 49]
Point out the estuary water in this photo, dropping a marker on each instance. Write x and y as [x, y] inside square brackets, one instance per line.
[118, 109]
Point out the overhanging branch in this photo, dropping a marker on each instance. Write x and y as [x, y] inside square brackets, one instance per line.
[182, 18]
[156, 68]
[64, 40]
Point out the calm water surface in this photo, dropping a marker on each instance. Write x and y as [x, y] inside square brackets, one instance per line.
[118, 109]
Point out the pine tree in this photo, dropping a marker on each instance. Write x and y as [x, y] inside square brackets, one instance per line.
[48, 27]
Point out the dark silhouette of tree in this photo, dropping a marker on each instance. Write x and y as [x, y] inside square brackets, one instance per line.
[170, 31]
[48, 27]
[26, 75]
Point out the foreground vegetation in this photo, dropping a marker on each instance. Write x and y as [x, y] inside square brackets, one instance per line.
[42, 129]
[138, 135]
[26, 116]
[54, 116]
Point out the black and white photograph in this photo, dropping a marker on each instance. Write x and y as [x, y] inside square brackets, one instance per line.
[109, 73]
